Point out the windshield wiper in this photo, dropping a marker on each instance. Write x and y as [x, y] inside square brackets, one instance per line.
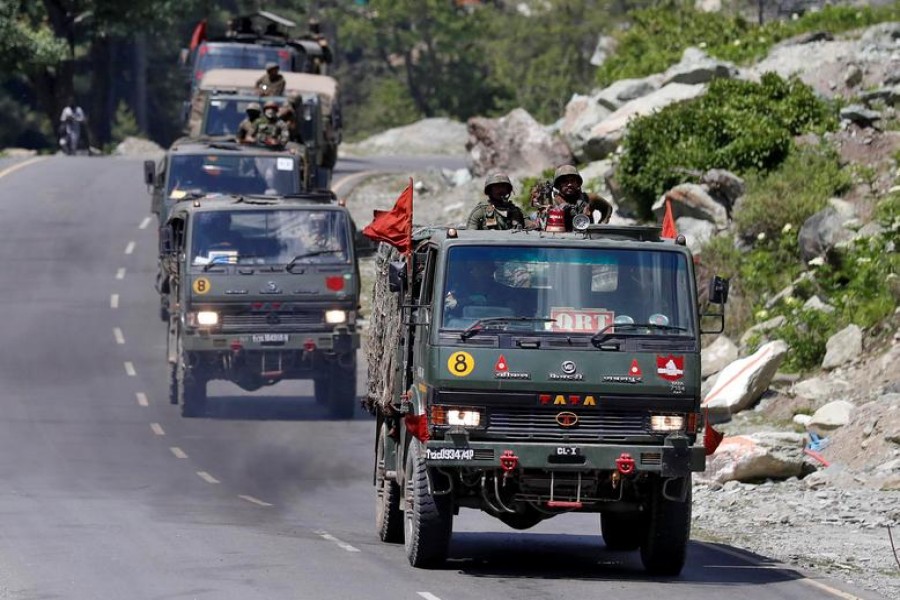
[604, 333]
[310, 254]
[482, 324]
[227, 262]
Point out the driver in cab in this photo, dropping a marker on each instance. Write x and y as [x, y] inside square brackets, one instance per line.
[215, 241]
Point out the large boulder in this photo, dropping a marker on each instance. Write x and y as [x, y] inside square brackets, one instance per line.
[717, 356]
[759, 456]
[624, 91]
[515, 143]
[695, 231]
[135, 146]
[606, 45]
[696, 66]
[692, 200]
[843, 347]
[437, 135]
[826, 228]
[606, 135]
[741, 384]
[582, 113]
[831, 416]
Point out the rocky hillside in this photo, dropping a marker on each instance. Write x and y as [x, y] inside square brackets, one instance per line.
[809, 472]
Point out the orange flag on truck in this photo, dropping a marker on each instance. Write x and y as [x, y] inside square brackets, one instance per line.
[394, 226]
[668, 225]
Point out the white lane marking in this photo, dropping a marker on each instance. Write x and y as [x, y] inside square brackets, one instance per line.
[142, 399]
[207, 477]
[344, 545]
[129, 248]
[120, 274]
[253, 500]
[817, 584]
[129, 368]
[157, 429]
[178, 452]
[428, 596]
[21, 165]
[114, 301]
[120, 337]
[144, 223]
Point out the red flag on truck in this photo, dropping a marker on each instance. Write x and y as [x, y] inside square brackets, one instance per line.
[199, 35]
[394, 226]
[668, 224]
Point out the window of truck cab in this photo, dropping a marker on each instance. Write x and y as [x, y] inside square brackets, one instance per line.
[578, 291]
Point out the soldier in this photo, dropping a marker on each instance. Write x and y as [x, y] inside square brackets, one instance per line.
[246, 133]
[286, 113]
[269, 129]
[567, 194]
[498, 212]
[272, 83]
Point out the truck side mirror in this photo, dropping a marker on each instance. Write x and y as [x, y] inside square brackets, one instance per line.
[718, 290]
[166, 241]
[364, 245]
[150, 172]
[397, 275]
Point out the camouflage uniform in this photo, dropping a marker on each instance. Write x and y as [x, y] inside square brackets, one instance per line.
[246, 130]
[489, 216]
[271, 133]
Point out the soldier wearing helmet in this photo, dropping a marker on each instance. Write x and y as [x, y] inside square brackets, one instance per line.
[497, 212]
[246, 133]
[269, 129]
[272, 83]
[567, 194]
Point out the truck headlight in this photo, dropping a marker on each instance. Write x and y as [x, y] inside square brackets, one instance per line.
[666, 423]
[334, 317]
[465, 417]
[207, 318]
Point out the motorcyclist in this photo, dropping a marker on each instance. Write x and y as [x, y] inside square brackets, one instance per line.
[70, 123]
[246, 133]
[568, 195]
[497, 212]
[269, 130]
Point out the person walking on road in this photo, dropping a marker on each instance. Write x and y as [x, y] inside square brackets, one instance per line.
[70, 123]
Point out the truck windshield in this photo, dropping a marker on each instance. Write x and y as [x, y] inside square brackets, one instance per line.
[224, 116]
[232, 174]
[241, 56]
[579, 290]
[270, 237]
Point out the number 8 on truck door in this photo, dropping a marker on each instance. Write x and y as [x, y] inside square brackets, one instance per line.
[460, 364]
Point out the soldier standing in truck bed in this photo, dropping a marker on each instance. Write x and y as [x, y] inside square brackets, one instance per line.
[272, 83]
[497, 212]
[246, 133]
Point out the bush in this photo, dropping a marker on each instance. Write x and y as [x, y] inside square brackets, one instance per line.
[738, 125]
[124, 124]
[791, 194]
[658, 36]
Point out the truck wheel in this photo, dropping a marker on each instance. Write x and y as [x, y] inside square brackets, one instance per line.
[192, 390]
[173, 384]
[623, 531]
[664, 547]
[342, 390]
[428, 518]
[388, 516]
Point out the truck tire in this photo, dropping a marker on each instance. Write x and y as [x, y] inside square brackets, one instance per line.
[623, 531]
[428, 519]
[388, 516]
[191, 390]
[664, 548]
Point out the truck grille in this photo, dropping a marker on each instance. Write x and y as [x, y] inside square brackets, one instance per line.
[273, 321]
[528, 424]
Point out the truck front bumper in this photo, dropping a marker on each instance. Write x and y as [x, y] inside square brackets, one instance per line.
[338, 341]
[670, 460]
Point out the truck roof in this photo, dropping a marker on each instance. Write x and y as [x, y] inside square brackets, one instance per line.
[244, 81]
[324, 200]
[638, 236]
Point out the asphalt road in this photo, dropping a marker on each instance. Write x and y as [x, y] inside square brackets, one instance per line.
[107, 493]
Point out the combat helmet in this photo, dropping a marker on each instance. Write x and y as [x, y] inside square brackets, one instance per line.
[566, 171]
[253, 106]
[270, 104]
[496, 178]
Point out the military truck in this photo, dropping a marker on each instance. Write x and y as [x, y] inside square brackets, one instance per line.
[219, 104]
[529, 375]
[200, 166]
[261, 289]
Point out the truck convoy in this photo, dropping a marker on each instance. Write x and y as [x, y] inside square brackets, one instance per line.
[261, 289]
[528, 375]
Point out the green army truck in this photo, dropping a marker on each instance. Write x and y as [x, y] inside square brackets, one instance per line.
[261, 290]
[529, 375]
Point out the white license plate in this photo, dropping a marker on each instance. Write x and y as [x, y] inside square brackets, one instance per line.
[270, 338]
